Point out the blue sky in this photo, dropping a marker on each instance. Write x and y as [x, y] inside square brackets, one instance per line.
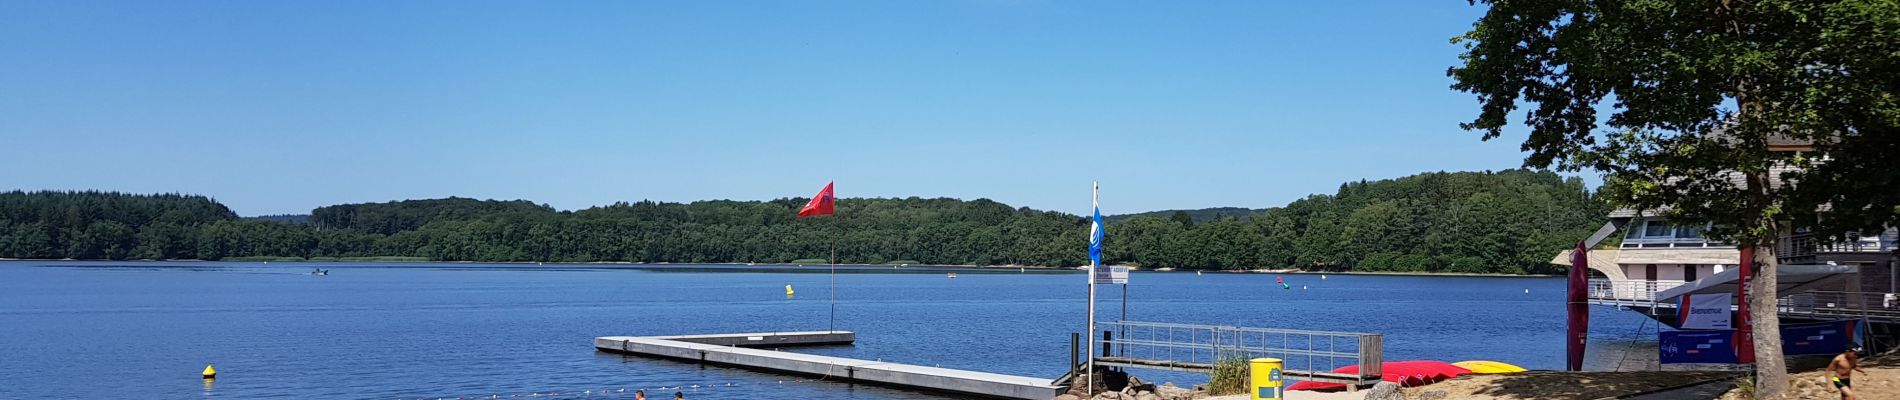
[278, 107]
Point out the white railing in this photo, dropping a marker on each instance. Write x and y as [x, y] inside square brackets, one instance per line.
[1607, 289]
[1884, 242]
[1307, 354]
[1671, 242]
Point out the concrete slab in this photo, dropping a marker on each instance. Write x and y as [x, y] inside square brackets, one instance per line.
[892, 374]
[770, 339]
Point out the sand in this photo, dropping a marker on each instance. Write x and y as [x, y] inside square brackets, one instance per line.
[1303, 395]
[1881, 381]
[1560, 385]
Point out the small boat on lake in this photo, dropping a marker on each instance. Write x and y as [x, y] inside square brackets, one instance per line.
[319, 272]
[953, 275]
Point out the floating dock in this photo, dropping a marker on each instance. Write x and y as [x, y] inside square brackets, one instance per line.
[739, 350]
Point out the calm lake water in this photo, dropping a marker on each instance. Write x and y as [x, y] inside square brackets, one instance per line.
[145, 329]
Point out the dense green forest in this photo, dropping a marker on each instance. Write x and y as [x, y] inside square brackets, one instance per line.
[1504, 222]
[1190, 216]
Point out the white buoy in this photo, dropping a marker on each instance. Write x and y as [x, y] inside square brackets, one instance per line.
[1527, 291]
[1322, 277]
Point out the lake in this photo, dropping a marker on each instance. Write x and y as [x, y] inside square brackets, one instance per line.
[446, 330]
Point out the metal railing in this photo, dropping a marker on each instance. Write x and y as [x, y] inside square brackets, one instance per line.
[1885, 242]
[1672, 242]
[1629, 290]
[1811, 304]
[1830, 305]
[1803, 245]
[1307, 355]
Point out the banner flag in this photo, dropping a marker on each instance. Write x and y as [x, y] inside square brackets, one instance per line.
[1705, 311]
[1696, 347]
[820, 204]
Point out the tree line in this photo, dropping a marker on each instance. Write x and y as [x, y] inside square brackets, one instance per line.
[1503, 222]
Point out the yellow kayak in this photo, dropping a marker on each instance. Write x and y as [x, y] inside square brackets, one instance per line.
[1488, 367]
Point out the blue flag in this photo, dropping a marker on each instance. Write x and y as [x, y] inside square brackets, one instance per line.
[1096, 235]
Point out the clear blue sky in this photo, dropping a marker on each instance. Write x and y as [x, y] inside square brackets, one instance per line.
[278, 107]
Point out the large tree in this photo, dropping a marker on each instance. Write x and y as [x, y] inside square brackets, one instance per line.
[1678, 103]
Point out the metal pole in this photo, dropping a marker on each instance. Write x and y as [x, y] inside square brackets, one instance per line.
[834, 281]
[1091, 368]
[1096, 201]
[1124, 326]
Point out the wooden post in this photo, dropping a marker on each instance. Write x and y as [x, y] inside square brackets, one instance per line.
[1075, 351]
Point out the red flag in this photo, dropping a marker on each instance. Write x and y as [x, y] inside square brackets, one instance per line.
[820, 204]
[1577, 334]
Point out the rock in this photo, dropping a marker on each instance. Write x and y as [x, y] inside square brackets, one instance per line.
[1066, 396]
[1171, 392]
[1136, 385]
[1147, 396]
[1385, 391]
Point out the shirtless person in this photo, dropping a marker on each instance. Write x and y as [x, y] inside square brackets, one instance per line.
[1840, 372]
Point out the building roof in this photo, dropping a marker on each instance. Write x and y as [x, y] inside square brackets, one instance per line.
[1728, 256]
[1602, 260]
[1789, 279]
[1778, 141]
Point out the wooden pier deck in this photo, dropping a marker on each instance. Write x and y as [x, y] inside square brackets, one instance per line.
[738, 350]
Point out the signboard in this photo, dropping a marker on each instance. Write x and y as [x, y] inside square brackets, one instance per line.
[1717, 347]
[1705, 311]
[1111, 275]
[1696, 347]
[1817, 338]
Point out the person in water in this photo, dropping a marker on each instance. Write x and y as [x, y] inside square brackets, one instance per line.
[640, 394]
[1840, 372]
[679, 396]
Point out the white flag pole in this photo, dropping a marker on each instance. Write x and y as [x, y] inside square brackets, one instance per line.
[1096, 201]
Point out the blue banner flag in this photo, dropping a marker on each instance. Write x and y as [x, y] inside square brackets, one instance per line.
[1817, 338]
[1096, 235]
[1696, 347]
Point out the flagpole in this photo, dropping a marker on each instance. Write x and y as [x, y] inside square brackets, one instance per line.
[834, 263]
[1096, 196]
[834, 279]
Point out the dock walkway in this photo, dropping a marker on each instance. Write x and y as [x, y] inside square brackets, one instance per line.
[739, 350]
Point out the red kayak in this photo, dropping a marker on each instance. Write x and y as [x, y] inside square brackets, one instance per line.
[1404, 373]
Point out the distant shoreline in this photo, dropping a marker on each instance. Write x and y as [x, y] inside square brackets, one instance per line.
[398, 260]
[1388, 273]
[1426, 273]
[1034, 267]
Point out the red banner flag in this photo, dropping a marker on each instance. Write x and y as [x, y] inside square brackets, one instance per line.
[1577, 299]
[820, 204]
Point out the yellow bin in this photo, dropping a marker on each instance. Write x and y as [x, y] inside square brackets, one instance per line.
[1266, 379]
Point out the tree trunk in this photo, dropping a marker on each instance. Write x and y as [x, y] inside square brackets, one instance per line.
[1764, 317]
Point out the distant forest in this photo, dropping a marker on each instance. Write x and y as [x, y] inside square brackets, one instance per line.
[1194, 216]
[1503, 222]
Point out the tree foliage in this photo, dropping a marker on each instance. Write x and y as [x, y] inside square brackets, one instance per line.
[1506, 222]
[1475, 222]
[1697, 96]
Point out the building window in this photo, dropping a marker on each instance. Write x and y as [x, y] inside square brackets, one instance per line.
[1689, 232]
[1688, 272]
[1656, 229]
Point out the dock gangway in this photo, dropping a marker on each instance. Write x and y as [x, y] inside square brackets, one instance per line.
[1307, 355]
